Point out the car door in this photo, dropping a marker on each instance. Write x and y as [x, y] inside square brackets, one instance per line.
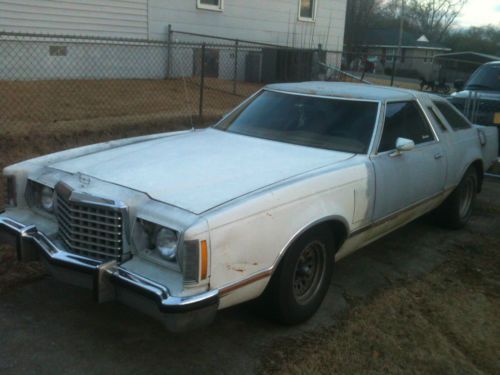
[406, 178]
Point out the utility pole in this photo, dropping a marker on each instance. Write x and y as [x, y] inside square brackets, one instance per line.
[400, 50]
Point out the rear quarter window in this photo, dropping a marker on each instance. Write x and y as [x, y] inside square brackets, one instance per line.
[452, 115]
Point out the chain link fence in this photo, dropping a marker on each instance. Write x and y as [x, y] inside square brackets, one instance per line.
[189, 79]
[69, 88]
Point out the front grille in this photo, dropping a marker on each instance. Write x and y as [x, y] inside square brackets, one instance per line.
[90, 230]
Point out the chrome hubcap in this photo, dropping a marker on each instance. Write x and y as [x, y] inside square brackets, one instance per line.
[309, 272]
[466, 197]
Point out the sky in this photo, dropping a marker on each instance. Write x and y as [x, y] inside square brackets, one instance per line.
[480, 13]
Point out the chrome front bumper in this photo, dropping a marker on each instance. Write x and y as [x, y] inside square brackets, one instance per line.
[109, 281]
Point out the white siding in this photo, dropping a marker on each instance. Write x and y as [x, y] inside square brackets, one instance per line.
[118, 18]
[270, 21]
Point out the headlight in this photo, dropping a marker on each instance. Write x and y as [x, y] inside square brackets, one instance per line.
[47, 199]
[166, 243]
[40, 196]
[157, 241]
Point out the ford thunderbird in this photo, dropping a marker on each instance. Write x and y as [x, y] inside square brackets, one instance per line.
[259, 206]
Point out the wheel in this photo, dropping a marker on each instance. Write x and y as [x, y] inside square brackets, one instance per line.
[301, 281]
[456, 210]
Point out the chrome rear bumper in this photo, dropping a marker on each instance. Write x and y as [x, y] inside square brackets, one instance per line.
[109, 281]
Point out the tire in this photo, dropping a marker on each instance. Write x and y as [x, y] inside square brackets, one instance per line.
[456, 210]
[301, 281]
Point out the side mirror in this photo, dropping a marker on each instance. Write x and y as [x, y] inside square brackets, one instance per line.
[403, 145]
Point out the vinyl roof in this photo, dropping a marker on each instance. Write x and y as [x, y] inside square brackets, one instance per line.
[345, 90]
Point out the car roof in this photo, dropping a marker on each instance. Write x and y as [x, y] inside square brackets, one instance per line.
[346, 90]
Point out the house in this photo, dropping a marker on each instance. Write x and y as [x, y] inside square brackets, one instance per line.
[380, 46]
[301, 24]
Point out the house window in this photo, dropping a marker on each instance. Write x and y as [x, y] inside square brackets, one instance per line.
[211, 4]
[307, 10]
[391, 55]
[428, 57]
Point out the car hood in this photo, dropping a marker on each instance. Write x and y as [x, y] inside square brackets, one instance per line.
[484, 95]
[200, 170]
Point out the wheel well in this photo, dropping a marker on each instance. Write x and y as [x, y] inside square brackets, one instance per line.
[335, 226]
[478, 167]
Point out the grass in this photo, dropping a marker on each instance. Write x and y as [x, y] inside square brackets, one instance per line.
[447, 322]
[401, 84]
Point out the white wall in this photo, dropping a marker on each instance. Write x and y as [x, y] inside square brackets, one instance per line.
[31, 60]
[270, 21]
[118, 18]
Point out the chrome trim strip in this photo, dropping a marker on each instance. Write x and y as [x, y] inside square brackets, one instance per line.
[250, 280]
[429, 122]
[392, 216]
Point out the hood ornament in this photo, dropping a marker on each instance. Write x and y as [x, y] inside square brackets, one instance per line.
[84, 180]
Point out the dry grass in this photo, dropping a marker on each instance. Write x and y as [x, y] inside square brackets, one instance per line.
[445, 323]
[35, 104]
[401, 84]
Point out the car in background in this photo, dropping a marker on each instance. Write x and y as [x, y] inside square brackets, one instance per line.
[479, 99]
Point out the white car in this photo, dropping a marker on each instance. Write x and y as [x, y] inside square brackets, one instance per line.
[261, 205]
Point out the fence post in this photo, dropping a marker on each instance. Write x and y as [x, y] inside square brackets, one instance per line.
[169, 52]
[202, 82]
[236, 45]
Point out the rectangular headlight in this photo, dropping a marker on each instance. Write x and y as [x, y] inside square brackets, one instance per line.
[40, 196]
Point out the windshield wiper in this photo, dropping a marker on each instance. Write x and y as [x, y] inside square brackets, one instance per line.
[479, 86]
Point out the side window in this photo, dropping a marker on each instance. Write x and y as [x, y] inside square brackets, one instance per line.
[451, 114]
[404, 120]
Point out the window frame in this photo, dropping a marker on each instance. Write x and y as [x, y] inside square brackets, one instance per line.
[216, 8]
[438, 116]
[314, 8]
[425, 117]
[375, 134]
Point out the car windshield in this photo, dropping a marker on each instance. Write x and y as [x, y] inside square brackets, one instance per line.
[487, 77]
[333, 124]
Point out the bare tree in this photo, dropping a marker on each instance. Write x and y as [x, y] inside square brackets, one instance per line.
[359, 16]
[434, 17]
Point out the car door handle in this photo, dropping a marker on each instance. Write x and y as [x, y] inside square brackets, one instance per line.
[438, 156]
